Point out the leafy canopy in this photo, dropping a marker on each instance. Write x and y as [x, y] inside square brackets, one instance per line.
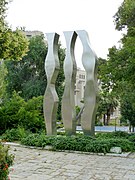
[13, 44]
[125, 16]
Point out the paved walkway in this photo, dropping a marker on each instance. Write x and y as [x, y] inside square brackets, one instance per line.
[35, 164]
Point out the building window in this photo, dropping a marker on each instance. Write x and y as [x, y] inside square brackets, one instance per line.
[81, 76]
[29, 36]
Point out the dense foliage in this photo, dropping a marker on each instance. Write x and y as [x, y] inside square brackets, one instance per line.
[101, 143]
[117, 72]
[125, 16]
[13, 44]
[3, 72]
[28, 76]
[27, 114]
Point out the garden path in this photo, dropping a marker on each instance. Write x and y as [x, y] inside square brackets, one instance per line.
[36, 164]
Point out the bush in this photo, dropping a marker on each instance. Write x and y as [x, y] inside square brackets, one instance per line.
[78, 143]
[97, 146]
[132, 139]
[38, 140]
[9, 112]
[101, 144]
[116, 134]
[31, 115]
[6, 161]
[16, 112]
[14, 134]
[91, 145]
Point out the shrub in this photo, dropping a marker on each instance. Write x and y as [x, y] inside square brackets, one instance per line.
[16, 112]
[132, 138]
[6, 161]
[78, 143]
[97, 146]
[14, 134]
[116, 134]
[120, 134]
[9, 112]
[91, 145]
[38, 140]
[125, 144]
[31, 115]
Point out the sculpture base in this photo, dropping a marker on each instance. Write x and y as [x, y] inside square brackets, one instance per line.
[69, 133]
[88, 133]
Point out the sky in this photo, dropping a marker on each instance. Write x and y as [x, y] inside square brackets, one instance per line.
[94, 16]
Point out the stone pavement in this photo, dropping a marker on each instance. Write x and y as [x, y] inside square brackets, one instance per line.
[36, 164]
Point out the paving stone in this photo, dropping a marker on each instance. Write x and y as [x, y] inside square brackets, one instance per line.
[36, 164]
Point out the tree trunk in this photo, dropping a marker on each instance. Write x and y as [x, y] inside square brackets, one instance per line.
[104, 120]
[108, 117]
[129, 127]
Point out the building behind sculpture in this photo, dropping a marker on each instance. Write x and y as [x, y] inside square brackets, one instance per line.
[31, 34]
[79, 87]
[79, 92]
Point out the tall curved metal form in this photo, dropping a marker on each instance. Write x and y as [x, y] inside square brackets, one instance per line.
[68, 100]
[50, 97]
[89, 61]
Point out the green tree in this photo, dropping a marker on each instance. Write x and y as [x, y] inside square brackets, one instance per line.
[121, 62]
[117, 73]
[107, 105]
[13, 44]
[3, 8]
[3, 72]
[107, 98]
[28, 76]
[128, 109]
[125, 16]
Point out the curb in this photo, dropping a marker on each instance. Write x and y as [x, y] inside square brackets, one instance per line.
[49, 148]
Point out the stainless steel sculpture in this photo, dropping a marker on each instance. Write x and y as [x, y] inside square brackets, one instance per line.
[89, 61]
[50, 97]
[68, 100]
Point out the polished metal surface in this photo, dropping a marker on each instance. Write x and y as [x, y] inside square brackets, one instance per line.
[50, 104]
[68, 100]
[89, 61]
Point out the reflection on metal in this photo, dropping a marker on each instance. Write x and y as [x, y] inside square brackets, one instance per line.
[89, 61]
[68, 100]
[50, 97]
